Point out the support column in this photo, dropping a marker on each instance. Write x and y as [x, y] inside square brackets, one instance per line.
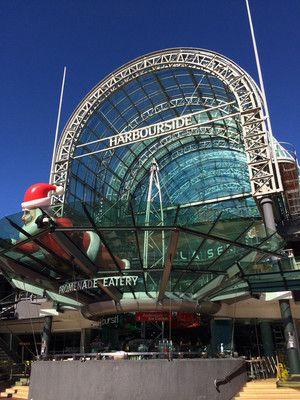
[221, 334]
[85, 340]
[267, 338]
[143, 330]
[82, 340]
[46, 335]
[213, 339]
[110, 338]
[267, 207]
[290, 337]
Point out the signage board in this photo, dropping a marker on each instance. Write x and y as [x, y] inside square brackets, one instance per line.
[185, 317]
[115, 281]
[153, 316]
[186, 320]
[188, 122]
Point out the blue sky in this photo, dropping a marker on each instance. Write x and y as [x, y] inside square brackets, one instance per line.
[94, 37]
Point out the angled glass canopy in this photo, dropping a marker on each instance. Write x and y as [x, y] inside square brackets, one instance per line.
[189, 258]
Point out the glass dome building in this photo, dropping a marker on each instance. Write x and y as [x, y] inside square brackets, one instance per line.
[167, 171]
[105, 151]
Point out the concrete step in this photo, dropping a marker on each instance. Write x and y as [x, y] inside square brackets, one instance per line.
[20, 389]
[20, 396]
[10, 390]
[21, 393]
[22, 382]
[266, 389]
[17, 392]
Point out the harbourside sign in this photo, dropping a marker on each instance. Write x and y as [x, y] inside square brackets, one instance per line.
[147, 132]
[188, 122]
[93, 283]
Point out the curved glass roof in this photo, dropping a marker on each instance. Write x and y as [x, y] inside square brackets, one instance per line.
[200, 164]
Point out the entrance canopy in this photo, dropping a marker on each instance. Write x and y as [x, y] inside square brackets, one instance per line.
[184, 264]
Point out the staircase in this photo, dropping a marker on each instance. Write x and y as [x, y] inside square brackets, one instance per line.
[18, 391]
[9, 369]
[266, 389]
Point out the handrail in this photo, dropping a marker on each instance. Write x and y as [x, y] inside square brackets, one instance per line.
[232, 374]
[121, 355]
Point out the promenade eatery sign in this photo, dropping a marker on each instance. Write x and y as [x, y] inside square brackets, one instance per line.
[93, 283]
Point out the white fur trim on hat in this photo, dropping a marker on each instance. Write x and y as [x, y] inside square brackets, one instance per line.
[46, 201]
[38, 195]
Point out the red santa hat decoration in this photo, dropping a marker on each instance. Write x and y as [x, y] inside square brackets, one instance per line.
[38, 195]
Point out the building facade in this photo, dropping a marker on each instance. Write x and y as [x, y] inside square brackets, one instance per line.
[172, 215]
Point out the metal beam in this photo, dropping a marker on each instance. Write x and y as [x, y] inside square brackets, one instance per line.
[168, 264]
[101, 237]
[38, 261]
[231, 242]
[30, 276]
[84, 263]
[198, 249]
[138, 247]
[194, 126]
[214, 285]
[166, 133]
[35, 239]
[80, 259]
[172, 228]
[107, 248]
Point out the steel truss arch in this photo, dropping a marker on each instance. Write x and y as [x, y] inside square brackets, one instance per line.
[263, 178]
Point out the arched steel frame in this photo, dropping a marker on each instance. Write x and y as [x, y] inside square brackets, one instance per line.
[263, 169]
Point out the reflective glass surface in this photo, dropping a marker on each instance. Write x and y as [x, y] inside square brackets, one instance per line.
[199, 237]
[195, 165]
[96, 252]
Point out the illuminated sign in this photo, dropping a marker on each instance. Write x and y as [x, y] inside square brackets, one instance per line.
[93, 283]
[153, 316]
[185, 317]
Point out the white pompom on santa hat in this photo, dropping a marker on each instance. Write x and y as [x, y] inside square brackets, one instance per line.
[38, 195]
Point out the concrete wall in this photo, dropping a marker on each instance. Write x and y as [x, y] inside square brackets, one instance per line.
[134, 379]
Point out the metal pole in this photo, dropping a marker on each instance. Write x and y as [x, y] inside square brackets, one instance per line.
[46, 335]
[292, 347]
[147, 217]
[57, 126]
[262, 88]
[266, 203]
[267, 207]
